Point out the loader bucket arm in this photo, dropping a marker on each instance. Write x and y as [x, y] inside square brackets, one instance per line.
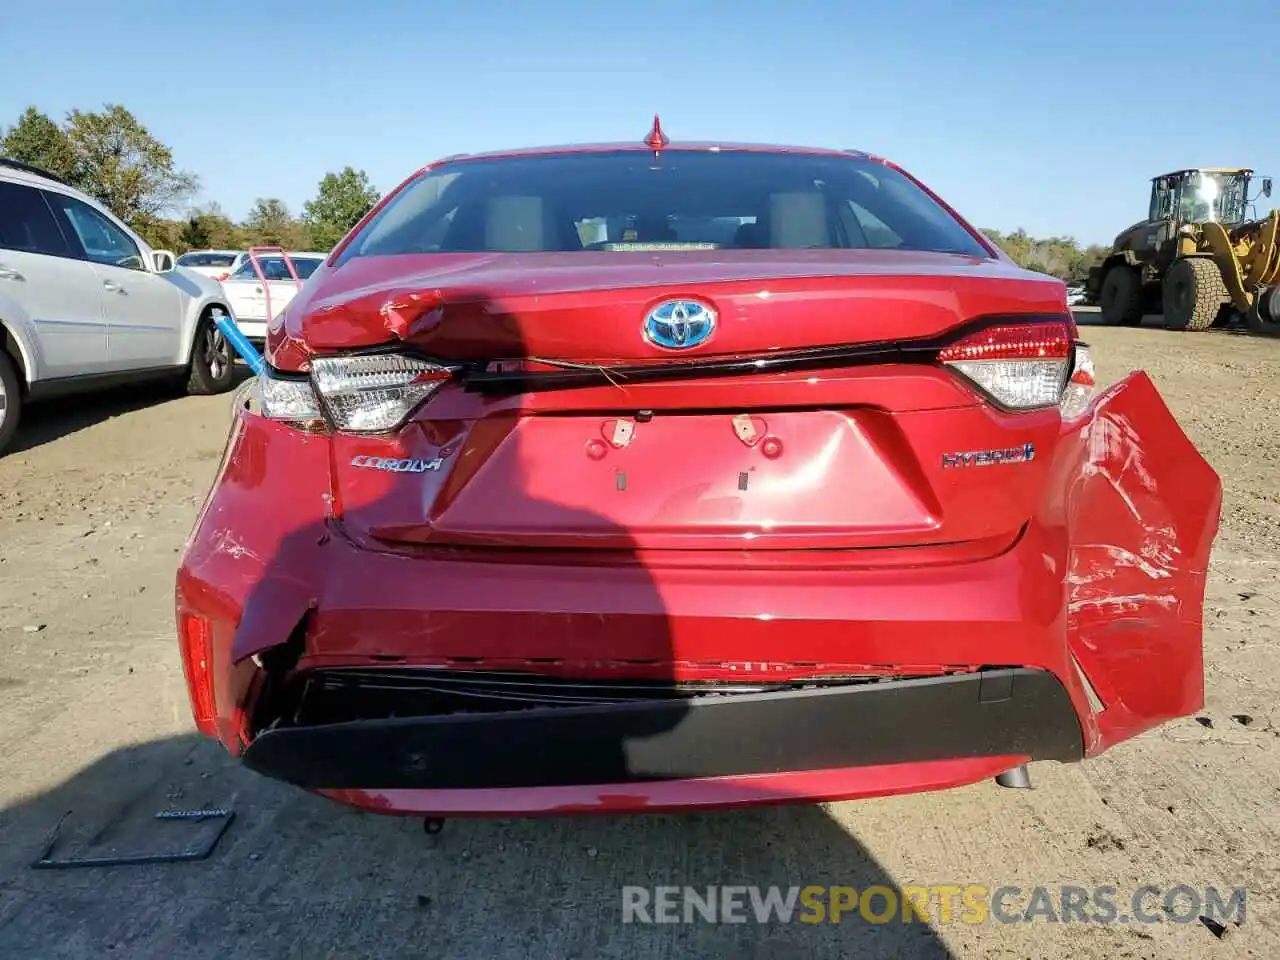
[1227, 258]
[1263, 265]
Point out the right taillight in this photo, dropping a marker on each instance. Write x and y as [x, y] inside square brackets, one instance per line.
[1025, 366]
[1080, 385]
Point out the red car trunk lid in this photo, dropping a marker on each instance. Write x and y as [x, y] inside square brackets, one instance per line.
[821, 458]
[591, 306]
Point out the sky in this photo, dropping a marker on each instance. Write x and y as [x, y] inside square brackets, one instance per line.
[1049, 117]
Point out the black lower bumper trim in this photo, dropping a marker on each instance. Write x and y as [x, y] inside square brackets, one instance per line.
[990, 713]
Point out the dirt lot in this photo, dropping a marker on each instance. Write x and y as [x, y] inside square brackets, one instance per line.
[94, 509]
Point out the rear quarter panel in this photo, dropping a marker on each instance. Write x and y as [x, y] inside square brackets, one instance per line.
[1140, 508]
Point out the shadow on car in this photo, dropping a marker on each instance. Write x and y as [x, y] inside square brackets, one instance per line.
[297, 875]
[390, 600]
[48, 420]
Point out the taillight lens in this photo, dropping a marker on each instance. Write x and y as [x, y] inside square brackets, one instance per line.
[1021, 366]
[1080, 386]
[374, 393]
[368, 393]
[197, 663]
[290, 400]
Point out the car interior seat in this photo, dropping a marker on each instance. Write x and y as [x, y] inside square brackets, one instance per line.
[751, 236]
[798, 220]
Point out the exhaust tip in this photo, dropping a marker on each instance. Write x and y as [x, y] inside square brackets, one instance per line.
[1018, 778]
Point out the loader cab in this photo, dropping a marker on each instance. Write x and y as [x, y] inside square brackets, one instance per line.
[1201, 195]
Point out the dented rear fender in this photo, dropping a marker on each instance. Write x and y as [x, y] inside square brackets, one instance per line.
[254, 564]
[1141, 508]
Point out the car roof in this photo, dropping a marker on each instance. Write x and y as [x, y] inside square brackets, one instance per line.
[310, 254]
[19, 170]
[1178, 173]
[12, 169]
[707, 146]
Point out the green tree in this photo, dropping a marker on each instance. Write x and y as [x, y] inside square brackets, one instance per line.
[270, 222]
[1061, 257]
[194, 235]
[340, 201]
[161, 234]
[209, 227]
[37, 140]
[121, 164]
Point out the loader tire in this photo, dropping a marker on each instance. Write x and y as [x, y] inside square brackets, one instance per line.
[1193, 294]
[1264, 316]
[1121, 296]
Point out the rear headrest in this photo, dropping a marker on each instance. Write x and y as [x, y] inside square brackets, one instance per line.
[798, 220]
[516, 225]
[750, 235]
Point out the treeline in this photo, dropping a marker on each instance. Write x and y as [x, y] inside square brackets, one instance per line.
[1061, 257]
[112, 157]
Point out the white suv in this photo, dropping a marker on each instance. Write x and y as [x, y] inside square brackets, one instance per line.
[85, 303]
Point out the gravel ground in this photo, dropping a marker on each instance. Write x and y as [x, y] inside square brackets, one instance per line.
[94, 507]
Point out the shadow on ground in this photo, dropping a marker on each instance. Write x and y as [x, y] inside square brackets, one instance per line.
[299, 876]
[1092, 317]
[48, 420]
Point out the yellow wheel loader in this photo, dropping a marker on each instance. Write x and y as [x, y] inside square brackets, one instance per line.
[1200, 258]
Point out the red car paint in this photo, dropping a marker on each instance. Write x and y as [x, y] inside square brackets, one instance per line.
[720, 793]
[855, 553]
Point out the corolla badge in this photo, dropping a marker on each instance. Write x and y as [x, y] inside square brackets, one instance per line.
[679, 324]
[393, 465]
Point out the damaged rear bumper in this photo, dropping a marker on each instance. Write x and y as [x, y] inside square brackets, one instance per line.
[1084, 632]
[1025, 713]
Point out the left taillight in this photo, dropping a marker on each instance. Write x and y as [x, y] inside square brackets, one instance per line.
[291, 400]
[1025, 366]
[195, 637]
[361, 393]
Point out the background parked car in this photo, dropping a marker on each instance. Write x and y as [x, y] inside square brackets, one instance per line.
[248, 295]
[218, 264]
[86, 303]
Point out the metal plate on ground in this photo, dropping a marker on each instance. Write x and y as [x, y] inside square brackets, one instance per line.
[170, 836]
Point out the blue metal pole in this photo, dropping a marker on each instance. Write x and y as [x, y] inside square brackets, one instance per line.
[241, 343]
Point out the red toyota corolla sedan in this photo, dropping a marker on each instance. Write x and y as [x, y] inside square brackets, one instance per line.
[658, 475]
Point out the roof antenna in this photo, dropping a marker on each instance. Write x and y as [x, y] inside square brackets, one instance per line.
[656, 139]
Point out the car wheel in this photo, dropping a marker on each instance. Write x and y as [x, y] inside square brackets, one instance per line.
[10, 401]
[212, 360]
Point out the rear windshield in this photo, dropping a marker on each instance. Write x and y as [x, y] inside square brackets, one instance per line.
[626, 201]
[206, 259]
[274, 268]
